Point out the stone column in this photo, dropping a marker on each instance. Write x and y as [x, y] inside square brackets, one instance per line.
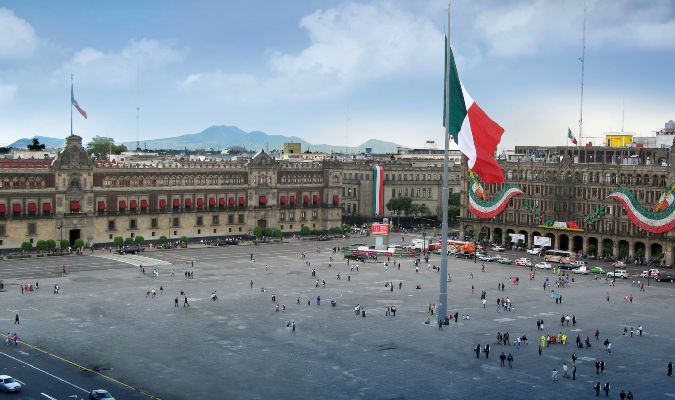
[615, 250]
[648, 251]
[631, 250]
[530, 240]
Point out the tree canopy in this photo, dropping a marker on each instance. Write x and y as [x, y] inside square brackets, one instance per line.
[100, 146]
[36, 145]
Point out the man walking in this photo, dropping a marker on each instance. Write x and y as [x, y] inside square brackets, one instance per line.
[477, 350]
[16, 319]
[606, 389]
[502, 358]
[486, 350]
[597, 389]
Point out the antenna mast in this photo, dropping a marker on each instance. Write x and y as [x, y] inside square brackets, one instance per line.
[583, 61]
[138, 108]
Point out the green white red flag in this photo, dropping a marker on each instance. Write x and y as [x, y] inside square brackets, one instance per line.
[74, 103]
[571, 137]
[469, 126]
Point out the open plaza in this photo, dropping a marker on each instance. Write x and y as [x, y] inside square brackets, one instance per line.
[106, 317]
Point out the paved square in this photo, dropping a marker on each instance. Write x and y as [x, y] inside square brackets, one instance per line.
[240, 347]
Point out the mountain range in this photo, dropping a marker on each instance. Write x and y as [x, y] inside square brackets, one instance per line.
[221, 137]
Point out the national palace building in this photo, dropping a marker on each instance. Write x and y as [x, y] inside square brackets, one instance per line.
[75, 197]
[568, 183]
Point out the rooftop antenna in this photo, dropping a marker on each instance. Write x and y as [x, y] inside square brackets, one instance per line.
[623, 114]
[138, 108]
[347, 131]
[583, 61]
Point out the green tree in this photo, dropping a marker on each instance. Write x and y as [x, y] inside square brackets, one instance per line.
[277, 233]
[257, 231]
[101, 146]
[184, 239]
[304, 231]
[139, 240]
[453, 207]
[128, 241]
[79, 243]
[118, 241]
[267, 232]
[41, 245]
[346, 228]
[591, 249]
[27, 246]
[51, 244]
[36, 145]
[65, 244]
[162, 240]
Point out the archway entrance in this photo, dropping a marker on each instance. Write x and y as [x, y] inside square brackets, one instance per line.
[564, 242]
[656, 252]
[623, 249]
[607, 248]
[640, 251]
[262, 223]
[552, 238]
[578, 244]
[74, 234]
[592, 246]
[497, 235]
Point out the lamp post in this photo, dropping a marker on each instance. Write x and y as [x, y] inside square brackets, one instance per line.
[61, 235]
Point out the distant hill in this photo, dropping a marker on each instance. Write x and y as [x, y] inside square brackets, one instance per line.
[222, 137]
[47, 141]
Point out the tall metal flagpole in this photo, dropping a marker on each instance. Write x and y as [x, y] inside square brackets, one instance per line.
[71, 104]
[583, 60]
[443, 295]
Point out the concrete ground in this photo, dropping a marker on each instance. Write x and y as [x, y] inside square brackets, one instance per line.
[239, 348]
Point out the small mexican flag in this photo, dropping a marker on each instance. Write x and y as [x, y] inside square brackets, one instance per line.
[570, 136]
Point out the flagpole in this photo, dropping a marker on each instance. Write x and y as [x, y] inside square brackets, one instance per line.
[71, 104]
[443, 293]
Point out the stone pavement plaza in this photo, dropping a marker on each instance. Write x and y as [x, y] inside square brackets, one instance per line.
[240, 348]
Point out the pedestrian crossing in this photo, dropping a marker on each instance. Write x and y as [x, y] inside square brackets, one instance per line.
[134, 259]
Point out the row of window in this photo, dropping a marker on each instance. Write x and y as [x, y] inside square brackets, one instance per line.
[421, 193]
[586, 177]
[173, 180]
[32, 182]
[176, 222]
[303, 215]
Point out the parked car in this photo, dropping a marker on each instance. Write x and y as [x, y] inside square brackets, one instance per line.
[664, 278]
[567, 266]
[652, 273]
[504, 260]
[579, 263]
[543, 265]
[9, 384]
[497, 248]
[534, 251]
[598, 270]
[524, 262]
[485, 257]
[581, 270]
[619, 273]
[130, 249]
[99, 394]
[356, 257]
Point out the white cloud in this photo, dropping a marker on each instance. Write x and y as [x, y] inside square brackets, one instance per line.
[115, 68]
[7, 93]
[515, 28]
[349, 44]
[17, 37]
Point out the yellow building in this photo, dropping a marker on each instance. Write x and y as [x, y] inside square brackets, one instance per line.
[618, 139]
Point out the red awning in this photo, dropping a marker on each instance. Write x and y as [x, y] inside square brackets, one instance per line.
[242, 201]
[144, 204]
[262, 200]
[230, 201]
[176, 203]
[292, 200]
[282, 200]
[74, 205]
[162, 203]
[123, 205]
[101, 205]
[315, 199]
[336, 199]
[188, 202]
[200, 202]
[133, 204]
[16, 208]
[305, 199]
[46, 208]
[221, 201]
[212, 202]
[3, 209]
[32, 207]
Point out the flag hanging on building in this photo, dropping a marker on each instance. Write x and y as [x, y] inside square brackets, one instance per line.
[666, 199]
[378, 190]
[570, 136]
[469, 126]
[74, 103]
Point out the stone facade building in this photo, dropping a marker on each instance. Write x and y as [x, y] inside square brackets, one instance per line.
[74, 197]
[566, 183]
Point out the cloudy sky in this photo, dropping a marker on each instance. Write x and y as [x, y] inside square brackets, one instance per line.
[318, 70]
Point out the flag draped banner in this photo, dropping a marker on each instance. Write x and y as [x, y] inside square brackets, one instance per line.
[378, 190]
[74, 103]
[570, 136]
[469, 126]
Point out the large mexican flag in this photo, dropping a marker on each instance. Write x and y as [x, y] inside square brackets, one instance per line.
[469, 127]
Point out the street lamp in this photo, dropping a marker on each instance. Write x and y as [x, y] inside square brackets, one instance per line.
[61, 235]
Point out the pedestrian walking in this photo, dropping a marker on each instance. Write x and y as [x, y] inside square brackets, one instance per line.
[606, 389]
[175, 302]
[486, 350]
[477, 350]
[597, 389]
[554, 375]
[185, 303]
[16, 319]
[502, 358]
[510, 360]
[670, 368]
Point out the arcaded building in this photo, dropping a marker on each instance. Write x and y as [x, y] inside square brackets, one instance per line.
[75, 197]
[569, 184]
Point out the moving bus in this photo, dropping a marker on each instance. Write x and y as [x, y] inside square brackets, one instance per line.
[455, 246]
[559, 256]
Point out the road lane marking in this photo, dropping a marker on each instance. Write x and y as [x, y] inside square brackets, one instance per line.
[44, 372]
[50, 397]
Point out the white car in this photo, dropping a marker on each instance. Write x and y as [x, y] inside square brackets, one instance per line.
[652, 273]
[523, 262]
[498, 248]
[100, 394]
[620, 273]
[535, 251]
[9, 384]
[543, 265]
[581, 270]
